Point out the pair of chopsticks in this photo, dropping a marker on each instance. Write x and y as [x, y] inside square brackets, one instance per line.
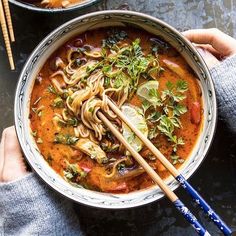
[6, 25]
[175, 173]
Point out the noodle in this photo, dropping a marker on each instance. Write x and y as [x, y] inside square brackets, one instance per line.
[76, 83]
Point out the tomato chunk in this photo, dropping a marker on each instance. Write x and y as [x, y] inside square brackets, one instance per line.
[117, 187]
[195, 113]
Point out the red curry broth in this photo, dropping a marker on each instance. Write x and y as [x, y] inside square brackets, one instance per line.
[56, 154]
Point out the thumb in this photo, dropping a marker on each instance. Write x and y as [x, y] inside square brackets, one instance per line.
[210, 59]
[12, 164]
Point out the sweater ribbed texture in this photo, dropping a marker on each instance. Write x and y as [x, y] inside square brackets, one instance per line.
[29, 207]
[224, 77]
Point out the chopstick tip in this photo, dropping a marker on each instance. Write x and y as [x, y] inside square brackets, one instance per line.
[12, 65]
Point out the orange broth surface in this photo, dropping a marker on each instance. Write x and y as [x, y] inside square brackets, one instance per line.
[56, 154]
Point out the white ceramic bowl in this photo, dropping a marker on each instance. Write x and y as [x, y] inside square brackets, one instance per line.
[57, 38]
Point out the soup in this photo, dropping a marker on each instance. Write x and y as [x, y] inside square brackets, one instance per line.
[54, 3]
[148, 80]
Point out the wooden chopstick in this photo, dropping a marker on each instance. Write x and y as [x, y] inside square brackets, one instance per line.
[157, 179]
[146, 141]
[138, 158]
[6, 36]
[175, 173]
[9, 21]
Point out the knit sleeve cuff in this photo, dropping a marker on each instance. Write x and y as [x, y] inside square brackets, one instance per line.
[224, 77]
[30, 207]
[27, 188]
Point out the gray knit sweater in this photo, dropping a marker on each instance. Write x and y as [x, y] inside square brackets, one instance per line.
[29, 207]
[224, 77]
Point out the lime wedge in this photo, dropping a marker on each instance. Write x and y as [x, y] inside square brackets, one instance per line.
[144, 90]
[135, 116]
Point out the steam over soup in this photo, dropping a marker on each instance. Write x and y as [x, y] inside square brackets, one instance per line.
[149, 81]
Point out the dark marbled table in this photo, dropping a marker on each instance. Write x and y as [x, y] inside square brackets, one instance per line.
[215, 179]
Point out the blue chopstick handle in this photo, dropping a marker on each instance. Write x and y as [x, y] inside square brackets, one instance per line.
[202, 203]
[190, 218]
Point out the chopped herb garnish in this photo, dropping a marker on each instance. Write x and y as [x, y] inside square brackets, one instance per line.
[72, 121]
[167, 127]
[174, 93]
[125, 67]
[107, 82]
[165, 110]
[74, 172]
[66, 139]
[181, 86]
[179, 110]
[106, 69]
[114, 37]
[65, 94]
[176, 159]
[51, 89]
[178, 141]
[58, 102]
[146, 105]
[49, 159]
[155, 98]
[121, 167]
[70, 99]
[154, 116]
[153, 132]
[91, 109]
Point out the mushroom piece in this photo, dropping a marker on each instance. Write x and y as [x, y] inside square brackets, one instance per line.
[91, 149]
[174, 67]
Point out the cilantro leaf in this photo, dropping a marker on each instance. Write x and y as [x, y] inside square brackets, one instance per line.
[179, 110]
[181, 86]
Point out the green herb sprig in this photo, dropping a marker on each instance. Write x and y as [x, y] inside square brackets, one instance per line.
[66, 139]
[163, 111]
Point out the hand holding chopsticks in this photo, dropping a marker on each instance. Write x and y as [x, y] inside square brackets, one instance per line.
[169, 193]
[5, 20]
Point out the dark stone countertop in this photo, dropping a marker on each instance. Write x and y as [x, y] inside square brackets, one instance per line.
[215, 179]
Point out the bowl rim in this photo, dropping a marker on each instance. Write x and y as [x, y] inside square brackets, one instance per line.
[158, 21]
[34, 8]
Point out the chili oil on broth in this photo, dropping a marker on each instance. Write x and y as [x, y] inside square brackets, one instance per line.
[76, 166]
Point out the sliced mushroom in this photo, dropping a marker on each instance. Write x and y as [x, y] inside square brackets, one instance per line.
[174, 67]
[91, 149]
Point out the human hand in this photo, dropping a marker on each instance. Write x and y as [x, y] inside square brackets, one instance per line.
[12, 166]
[212, 44]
